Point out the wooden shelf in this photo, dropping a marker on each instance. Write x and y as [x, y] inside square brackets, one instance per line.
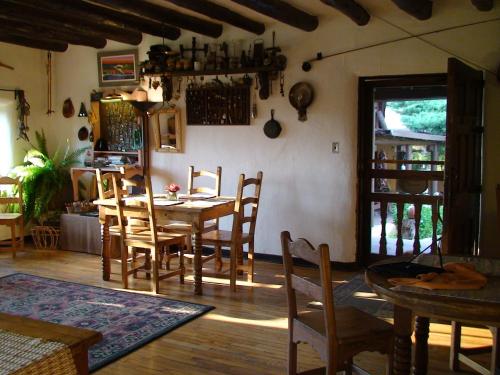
[118, 152]
[221, 72]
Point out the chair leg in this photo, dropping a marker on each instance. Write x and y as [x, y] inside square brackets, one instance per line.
[240, 259]
[495, 352]
[134, 260]
[13, 239]
[155, 284]
[124, 266]
[250, 261]
[181, 264]
[189, 247]
[233, 264]
[218, 258]
[348, 369]
[389, 369]
[292, 356]
[21, 234]
[456, 333]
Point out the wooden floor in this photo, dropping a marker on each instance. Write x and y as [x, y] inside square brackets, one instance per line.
[245, 334]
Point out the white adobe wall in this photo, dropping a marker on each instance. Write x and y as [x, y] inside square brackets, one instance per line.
[307, 189]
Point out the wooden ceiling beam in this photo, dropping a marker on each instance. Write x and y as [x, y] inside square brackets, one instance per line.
[45, 12]
[33, 43]
[127, 21]
[26, 29]
[420, 9]
[351, 9]
[483, 5]
[221, 13]
[163, 15]
[283, 12]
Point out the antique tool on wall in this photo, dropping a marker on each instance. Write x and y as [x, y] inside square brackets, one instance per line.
[49, 83]
[2, 65]
[216, 103]
[193, 50]
[253, 112]
[23, 111]
[68, 109]
[301, 96]
[272, 128]
[166, 85]
[263, 78]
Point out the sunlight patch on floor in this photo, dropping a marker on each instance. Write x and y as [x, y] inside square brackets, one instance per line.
[281, 323]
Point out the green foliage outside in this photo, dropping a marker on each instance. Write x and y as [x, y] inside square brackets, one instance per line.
[44, 176]
[422, 116]
[425, 220]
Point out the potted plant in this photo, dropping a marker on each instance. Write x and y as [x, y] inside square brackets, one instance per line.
[43, 177]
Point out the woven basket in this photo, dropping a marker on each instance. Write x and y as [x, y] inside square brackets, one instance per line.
[45, 237]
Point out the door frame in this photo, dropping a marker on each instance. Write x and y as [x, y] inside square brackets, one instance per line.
[366, 86]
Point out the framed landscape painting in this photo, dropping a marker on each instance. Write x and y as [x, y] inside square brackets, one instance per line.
[118, 68]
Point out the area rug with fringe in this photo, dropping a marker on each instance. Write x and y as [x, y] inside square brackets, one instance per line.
[356, 293]
[126, 320]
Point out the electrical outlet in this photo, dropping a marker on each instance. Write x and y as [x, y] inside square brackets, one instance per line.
[335, 147]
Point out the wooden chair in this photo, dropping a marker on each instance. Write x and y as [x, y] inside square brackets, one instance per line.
[150, 240]
[459, 354]
[336, 333]
[14, 220]
[236, 238]
[185, 228]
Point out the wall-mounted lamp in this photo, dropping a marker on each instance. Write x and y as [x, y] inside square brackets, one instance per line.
[83, 111]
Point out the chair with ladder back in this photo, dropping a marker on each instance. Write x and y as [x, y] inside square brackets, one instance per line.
[195, 191]
[245, 213]
[11, 213]
[337, 333]
[459, 354]
[142, 210]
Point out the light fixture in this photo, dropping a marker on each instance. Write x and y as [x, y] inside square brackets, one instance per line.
[114, 97]
[83, 111]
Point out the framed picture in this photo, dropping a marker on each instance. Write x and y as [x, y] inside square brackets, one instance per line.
[118, 68]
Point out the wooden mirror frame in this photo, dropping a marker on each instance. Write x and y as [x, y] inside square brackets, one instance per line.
[155, 117]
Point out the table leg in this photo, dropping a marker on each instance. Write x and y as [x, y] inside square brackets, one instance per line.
[403, 328]
[421, 349]
[106, 250]
[198, 267]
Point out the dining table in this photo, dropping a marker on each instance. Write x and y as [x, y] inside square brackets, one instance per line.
[414, 307]
[195, 210]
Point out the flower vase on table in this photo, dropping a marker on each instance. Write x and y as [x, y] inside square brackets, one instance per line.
[172, 190]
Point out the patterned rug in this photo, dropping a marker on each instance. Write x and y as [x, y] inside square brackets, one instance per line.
[126, 320]
[356, 293]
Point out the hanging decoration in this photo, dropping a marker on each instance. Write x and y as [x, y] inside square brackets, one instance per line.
[301, 96]
[49, 83]
[23, 111]
[2, 65]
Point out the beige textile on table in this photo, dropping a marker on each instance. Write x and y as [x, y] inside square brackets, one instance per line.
[26, 355]
[460, 276]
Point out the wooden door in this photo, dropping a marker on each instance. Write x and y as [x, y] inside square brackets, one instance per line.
[463, 159]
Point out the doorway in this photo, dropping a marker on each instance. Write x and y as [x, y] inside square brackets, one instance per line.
[414, 162]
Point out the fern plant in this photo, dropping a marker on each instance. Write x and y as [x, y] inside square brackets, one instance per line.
[43, 176]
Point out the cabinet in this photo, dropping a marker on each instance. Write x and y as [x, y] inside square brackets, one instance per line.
[120, 140]
[120, 135]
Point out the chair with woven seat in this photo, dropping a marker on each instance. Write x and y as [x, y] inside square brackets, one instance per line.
[10, 201]
[337, 333]
[459, 354]
[237, 237]
[150, 240]
[195, 190]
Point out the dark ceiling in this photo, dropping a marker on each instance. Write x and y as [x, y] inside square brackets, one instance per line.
[53, 24]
